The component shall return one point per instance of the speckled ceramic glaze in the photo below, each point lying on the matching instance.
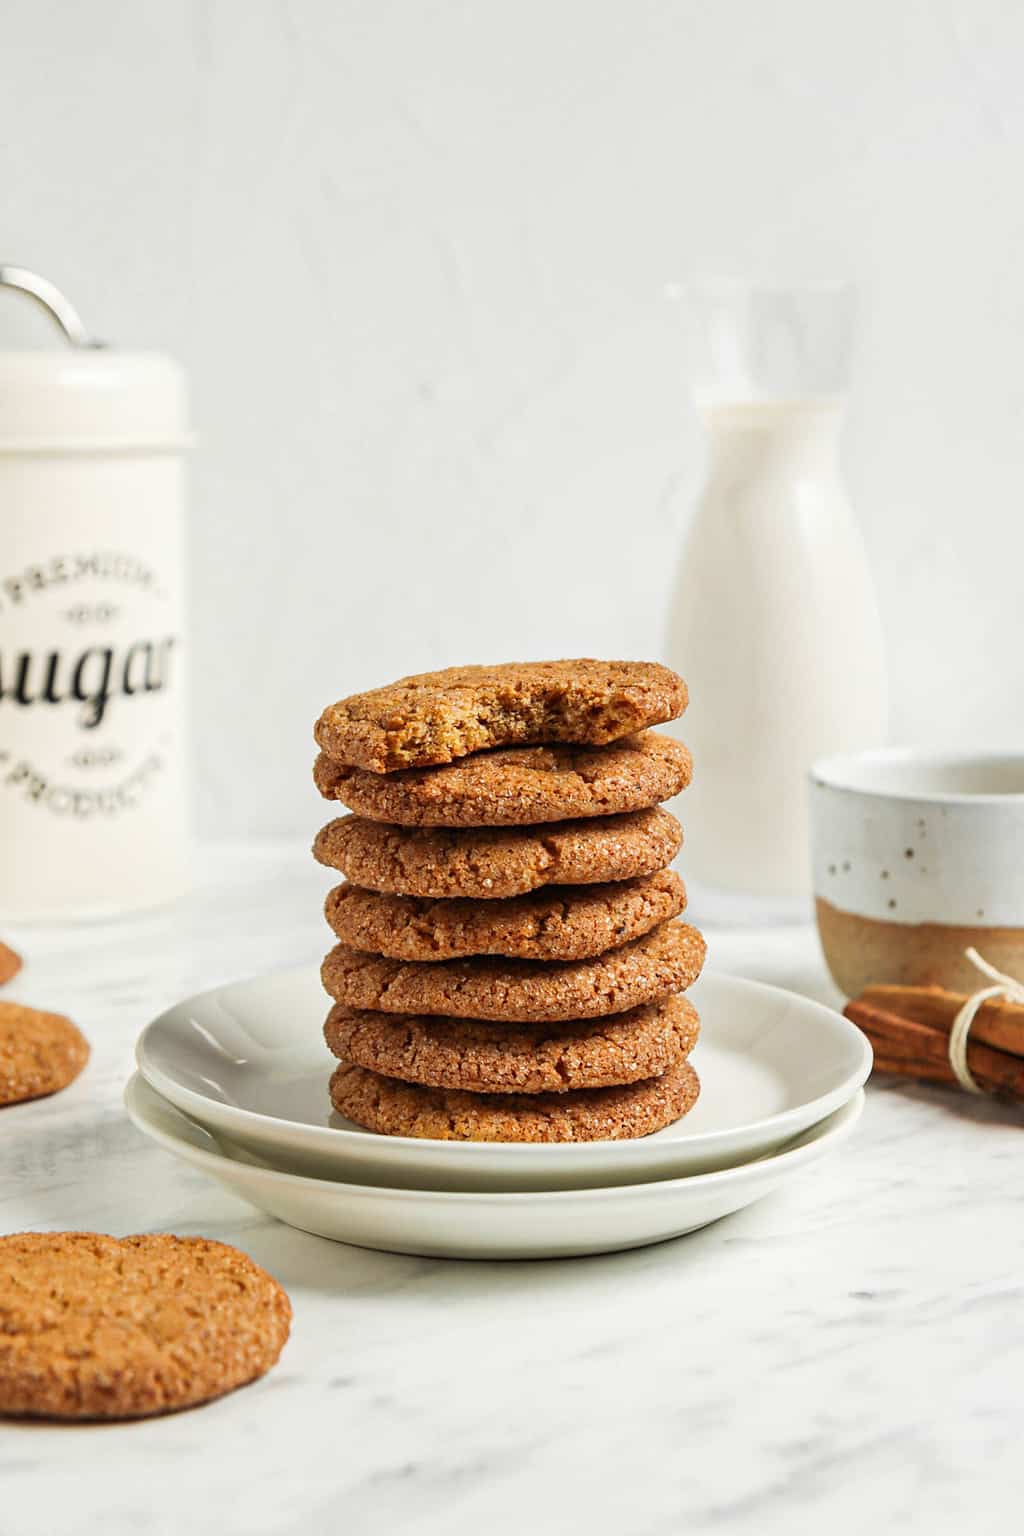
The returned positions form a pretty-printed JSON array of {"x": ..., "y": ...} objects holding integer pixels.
[{"x": 916, "y": 856}]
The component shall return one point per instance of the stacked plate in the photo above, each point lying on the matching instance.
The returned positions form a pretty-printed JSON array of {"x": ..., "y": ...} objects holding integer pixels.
[{"x": 232, "y": 1081}]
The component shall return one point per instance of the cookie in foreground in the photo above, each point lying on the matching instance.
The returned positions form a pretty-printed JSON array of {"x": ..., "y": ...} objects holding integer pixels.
[
  {"x": 487, "y": 1057},
  {"x": 96, "y": 1327},
  {"x": 40, "y": 1053},
  {"x": 437, "y": 717},
  {"x": 514, "y": 786},
  {"x": 395, "y": 1108}
]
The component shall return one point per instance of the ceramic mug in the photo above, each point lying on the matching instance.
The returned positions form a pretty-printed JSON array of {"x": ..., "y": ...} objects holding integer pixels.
[{"x": 916, "y": 856}]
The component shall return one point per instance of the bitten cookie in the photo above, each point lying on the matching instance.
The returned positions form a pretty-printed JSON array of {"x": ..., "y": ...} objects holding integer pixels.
[
  {"x": 436, "y": 717},
  {"x": 516, "y": 785},
  {"x": 10, "y": 963},
  {"x": 529, "y": 991},
  {"x": 95, "y": 1327},
  {"x": 488, "y": 864},
  {"x": 562, "y": 923},
  {"x": 40, "y": 1053},
  {"x": 508, "y": 1058},
  {"x": 598, "y": 1114}
]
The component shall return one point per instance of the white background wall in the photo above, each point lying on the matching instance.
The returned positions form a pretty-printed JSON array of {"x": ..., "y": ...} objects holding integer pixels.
[{"x": 412, "y": 255}]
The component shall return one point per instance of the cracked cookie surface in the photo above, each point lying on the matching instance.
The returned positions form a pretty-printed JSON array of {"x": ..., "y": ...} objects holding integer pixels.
[
  {"x": 40, "y": 1053},
  {"x": 96, "y": 1327},
  {"x": 438, "y": 717},
  {"x": 516, "y": 785},
  {"x": 561, "y": 923},
  {"x": 395, "y": 1108},
  {"x": 668, "y": 959},
  {"x": 492, "y": 863},
  {"x": 484, "y": 1057}
]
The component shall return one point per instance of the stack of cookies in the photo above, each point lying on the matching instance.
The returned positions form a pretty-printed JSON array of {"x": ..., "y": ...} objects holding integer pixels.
[{"x": 509, "y": 964}]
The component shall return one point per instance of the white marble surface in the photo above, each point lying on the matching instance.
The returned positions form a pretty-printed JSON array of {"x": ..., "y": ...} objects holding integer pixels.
[{"x": 847, "y": 1354}]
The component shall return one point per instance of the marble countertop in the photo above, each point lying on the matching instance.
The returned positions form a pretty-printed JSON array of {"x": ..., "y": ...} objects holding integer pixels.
[{"x": 846, "y": 1354}]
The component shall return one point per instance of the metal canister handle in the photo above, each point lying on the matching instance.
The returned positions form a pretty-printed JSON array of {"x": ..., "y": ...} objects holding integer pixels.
[{"x": 49, "y": 297}]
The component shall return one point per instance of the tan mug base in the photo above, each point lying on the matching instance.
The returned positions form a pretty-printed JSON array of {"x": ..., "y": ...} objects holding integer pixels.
[{"x": 865, "y": 951}]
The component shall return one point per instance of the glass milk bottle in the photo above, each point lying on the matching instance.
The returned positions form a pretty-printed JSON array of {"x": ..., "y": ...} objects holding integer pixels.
[
  {"x": 774, "y": 622},
  {"x": 92, "y": 670}
]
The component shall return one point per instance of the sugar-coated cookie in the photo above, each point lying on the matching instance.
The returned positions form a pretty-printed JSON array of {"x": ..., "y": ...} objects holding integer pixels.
[
  {"x": 395, "y": 1108},
  {"x": 513, "y": 786},
  {"x": 40, "y": 1053},
  {"x": 516, "y": 1058},
  {"x": 491, "y": 863},
  {"x": 437, "y": 717},
  {"x": 562, "y": 923},
  {"x": 95, "y": 1327},
  {"x": 668, "y": 959}
]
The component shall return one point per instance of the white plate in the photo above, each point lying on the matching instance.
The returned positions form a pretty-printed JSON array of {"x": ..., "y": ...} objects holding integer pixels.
[
  {"x": 541, "y": 1224},
  {"x": 248, "y": 1061}
]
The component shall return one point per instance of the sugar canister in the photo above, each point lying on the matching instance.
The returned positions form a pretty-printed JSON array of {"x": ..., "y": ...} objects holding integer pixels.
[{"x": 93, "y": 815}]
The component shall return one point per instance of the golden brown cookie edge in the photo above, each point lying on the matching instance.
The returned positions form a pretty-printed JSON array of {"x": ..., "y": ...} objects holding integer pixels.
[
  {"x": 393, "y": 1108},
  {"x": 41, "y": 1053},
  {"x": 432, "y": 718},
  {"x": 668, "y": 959},
  {"x": 48, "y": 1383},
  {"x": 496, "y": 863},
  {"x": 557, "y": 923},
  {"x": 482, "y": 791},
  {"x": 481, "y": 1057}
]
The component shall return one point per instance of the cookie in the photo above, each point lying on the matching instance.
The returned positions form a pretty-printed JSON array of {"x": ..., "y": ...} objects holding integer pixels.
[
  {"x": 95, "y": 1327},
  {"x": 491, "y": 864},
  {"x": 507, "y": 1058},
  {"x": 666, "y": 960},
  {"x": 516, "y": 785},
  {"x": 10, "y": 963},
  {"x": 590, "y": 1114},
  {"x": 437, "y": 717},
  {"x": 562, "y": 923},
  {"x": 39, "y": 1053}
]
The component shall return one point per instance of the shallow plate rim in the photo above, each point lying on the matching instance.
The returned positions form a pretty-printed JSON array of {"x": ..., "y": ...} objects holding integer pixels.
[
  {"x": 812, "y": 1138},
  {"x": 703, "y": 1142}
]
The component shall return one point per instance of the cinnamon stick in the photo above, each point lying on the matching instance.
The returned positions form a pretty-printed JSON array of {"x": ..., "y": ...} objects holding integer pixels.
[
  {"x": 997, "y": 1023},
  {"x": 912, "y": 1049}
]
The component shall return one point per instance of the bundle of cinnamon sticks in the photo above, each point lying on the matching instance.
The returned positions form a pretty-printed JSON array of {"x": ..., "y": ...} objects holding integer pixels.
[{"x": 909, "y": 1030}]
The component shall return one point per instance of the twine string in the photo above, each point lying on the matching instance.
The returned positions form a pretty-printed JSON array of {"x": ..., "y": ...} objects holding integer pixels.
[{"x": 1003, "y": 986}]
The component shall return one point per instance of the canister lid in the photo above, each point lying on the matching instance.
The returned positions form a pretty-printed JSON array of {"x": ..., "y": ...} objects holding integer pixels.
[
  {"x": 91, "y": 400},
  {"x": 80, "y": 396}
]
